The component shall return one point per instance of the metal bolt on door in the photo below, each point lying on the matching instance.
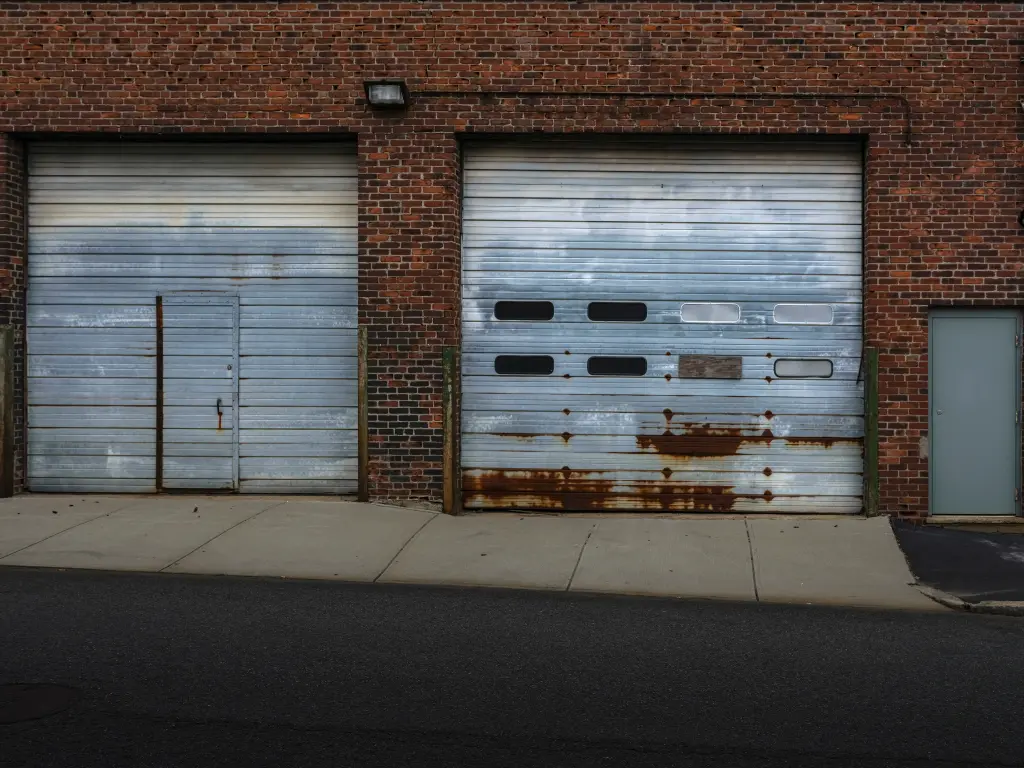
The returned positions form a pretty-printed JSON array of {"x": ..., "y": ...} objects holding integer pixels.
[
  {"x": 200, "y": 392},
  {"x": 974, "y": 382}
]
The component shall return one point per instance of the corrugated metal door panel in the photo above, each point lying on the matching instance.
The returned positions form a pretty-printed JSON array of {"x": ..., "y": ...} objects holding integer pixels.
[
  {"x": 113, "y": 225},
  {"x": 200, "y": 386},
  {"x": 735, "y": 388}
]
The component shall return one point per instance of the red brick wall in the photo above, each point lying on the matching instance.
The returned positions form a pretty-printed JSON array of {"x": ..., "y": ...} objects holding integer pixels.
[
  {"x": 408, "y": 299},
  {"x": 12, "y": 279},
  {"x": 941, "y": 213}
]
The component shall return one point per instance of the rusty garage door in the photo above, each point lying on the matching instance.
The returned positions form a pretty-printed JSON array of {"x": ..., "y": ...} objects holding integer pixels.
[
  {"x": 662, "y": 326},
  {"x": 192, "y": 316}
]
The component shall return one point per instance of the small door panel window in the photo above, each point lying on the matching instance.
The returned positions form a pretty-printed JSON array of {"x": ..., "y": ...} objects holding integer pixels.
[
  {"x": 803, "y": 369},
  {"x": 524, "y": 311},
  {"x": 710, "y": 312},
  {"x": 803, "y": 314},
  {"x": 617, "y": 311},
  {"x": 524, "y": 365},
  {"x": 617, "y": 366}
]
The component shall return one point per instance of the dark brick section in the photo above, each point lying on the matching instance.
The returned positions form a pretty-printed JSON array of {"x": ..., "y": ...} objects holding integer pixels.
[
  {"x": 408, "y": 299},
  {"x": 12, "y": 279},
  {"x": 941, "y": 214}
]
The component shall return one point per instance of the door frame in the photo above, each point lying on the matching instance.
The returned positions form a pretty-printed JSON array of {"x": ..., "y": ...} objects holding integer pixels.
[
  {"x": 210, "y": 299},
  {"x": 996, "y": 312}
]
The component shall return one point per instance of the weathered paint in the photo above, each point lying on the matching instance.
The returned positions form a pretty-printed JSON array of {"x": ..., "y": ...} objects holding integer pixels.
[
  {"x": 712, "y": 224},
  {"x": 200, "y": 388},
  {"x": 115, "y": 224}
]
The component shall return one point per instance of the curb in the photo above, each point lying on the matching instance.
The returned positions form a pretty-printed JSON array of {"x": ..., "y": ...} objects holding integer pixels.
[{"x": 993, "y": 607}]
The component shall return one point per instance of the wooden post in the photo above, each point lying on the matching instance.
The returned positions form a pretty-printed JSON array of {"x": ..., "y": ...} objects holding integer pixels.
[
  {"x": 363, "y": 437},
  {"x": 452, "y": 499},
  {"x": 7, "y": 447},
  {"x": 871, "y": 432}
]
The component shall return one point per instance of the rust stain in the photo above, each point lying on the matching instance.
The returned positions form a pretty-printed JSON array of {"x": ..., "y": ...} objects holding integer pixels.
[
  {"x": 694, "y": 498},
  {"x": 705, "y": 440},
  {"x": 699, "y": 442},
  {"x": 821, "y": 442},
  {"x": 546, "y": 488},
  {"x": 708, "y": 498},
  {"x": 580, "y": 491},
  {"x": 527, "y": 436},
  {"x": 220, "y": 418},
  {"x": 566, "y": 411},
  {"x": 696, "y": 440},
  {"x": 768, "y": 379}
]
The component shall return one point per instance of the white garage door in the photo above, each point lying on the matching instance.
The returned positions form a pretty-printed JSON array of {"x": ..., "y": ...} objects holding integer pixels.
[
  {"x": 663, "y": 326},
  {"x": 218, "y": 278}
]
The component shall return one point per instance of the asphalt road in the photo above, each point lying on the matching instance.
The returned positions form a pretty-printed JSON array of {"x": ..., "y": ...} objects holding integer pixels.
[{"x": 187, "y": 671}]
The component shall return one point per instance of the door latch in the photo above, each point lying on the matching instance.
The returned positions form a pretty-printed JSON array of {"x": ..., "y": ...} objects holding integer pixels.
[{"x": 220, "y": 409}]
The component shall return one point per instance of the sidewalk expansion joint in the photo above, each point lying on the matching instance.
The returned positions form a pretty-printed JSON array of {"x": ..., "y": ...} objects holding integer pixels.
[
  {"x": 753, "y": 568},
  {"x": 402, "y": 548},
  {"x": 583, "y": 549},
  {"x": 217, "y": 536},
  {"x": 65, "y": 530}
]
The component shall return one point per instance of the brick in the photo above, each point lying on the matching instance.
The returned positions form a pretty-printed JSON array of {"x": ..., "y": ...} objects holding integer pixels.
[{"x": 940, "y": 226}]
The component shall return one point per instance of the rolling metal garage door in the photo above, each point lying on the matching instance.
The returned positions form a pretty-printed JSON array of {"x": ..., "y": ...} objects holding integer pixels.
[
  {"x": 237, "y": 262},
  {"x": 663, "y": 326}
]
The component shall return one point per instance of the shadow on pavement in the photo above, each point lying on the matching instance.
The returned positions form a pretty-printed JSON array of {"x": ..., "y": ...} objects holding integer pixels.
[{"x": 975, "y": 566}]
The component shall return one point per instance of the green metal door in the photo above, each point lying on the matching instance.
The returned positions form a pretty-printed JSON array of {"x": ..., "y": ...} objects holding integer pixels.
[{"x": 974, "y": 383}]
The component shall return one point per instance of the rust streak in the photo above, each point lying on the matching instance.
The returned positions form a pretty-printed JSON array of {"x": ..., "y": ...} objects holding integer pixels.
[
  {"x": 704, "y": 440},
  {"x": 696, "y": 440},
  {"x": 821, "y": 442},
  {"x": 589, "y": 494},
  {"x": 548, "y": 489},
  {"x": 691, "y": 444}
]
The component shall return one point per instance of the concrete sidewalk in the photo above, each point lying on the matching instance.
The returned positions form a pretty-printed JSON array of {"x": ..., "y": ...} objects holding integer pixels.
[{"x": 837, "y": 561}]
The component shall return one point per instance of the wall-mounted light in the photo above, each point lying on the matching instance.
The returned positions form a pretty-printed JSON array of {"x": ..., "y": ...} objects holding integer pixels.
[{"x": 386, "y": 93}]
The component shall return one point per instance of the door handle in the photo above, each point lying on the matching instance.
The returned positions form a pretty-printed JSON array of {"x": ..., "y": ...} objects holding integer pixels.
[{"x": 220, "y": 409}]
